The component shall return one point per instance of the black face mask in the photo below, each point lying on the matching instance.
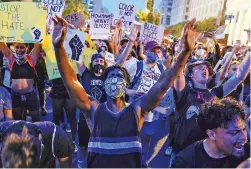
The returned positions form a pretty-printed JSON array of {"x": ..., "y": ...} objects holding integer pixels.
[{"x": 98, "y": 68}]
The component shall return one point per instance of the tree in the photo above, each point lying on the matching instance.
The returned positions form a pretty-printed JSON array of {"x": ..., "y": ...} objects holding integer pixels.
[
  {"x": 157, "y": 18},
  {"x": 72, "y": 6},
  {"x": 142, "y": 15},
  {"x": 204, "y": 26},
  {"x": 150, "y": 17}
]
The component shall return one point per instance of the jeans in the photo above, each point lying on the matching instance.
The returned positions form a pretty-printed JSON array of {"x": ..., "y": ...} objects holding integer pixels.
[{"x": 58, "y": 107}]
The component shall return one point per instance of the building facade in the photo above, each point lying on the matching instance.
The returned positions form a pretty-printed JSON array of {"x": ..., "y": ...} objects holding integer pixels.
[
  {"x": 180, "y": 11},
  {"x": 202, "y": 9},
  {"x": 238, "y": 18},
  {"x": 165, "y": 8},
  {"x": 96, "y": 6}
]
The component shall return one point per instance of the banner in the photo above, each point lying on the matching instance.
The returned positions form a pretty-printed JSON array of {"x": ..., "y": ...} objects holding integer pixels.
[
  {"x": 127, "y": 13},
  {"x": 19, "y": 24},
  {"x": 77, "y": 19},
  {"x": 50, "y": 59},
  {"x": 100, "y": 25},
  {"x": 53, "y": 6},
  {"x": 151, "y": 32},
  {"x": 74, "y": 45}
]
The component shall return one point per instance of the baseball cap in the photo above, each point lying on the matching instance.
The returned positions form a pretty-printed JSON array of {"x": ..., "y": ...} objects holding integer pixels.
[
  {"x": 193, "y": 62},
  {"x": 152, "y": 45},
  {"x": 95, "y": 56}
]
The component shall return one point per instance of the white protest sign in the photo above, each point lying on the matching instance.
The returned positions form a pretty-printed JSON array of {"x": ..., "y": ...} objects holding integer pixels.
[
  {"x": 126, "y": 12},
  {"x": 54, "y": 7},
  {"x": 100, "y": 25},
  {"x": 151, "y": 32},
  {"x": 74, "y": 45},
  {"x": 77, "y": 19}
]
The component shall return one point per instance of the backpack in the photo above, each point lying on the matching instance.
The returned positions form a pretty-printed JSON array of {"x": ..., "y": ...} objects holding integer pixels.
[{"x": 139, "y": 72}]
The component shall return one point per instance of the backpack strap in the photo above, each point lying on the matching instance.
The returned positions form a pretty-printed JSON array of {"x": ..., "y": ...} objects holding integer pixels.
[
  {"x": 161, "y": 67},
  {"x": 136, "y": 77},
  {"x": 32, "y": 65},
  {"x": 12, "y": 62}
]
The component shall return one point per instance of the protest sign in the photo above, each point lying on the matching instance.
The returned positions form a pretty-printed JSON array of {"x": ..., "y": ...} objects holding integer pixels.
[
  {"x": 18, "y": 25},
  {"x": 151, "y": 32},
  {"x": 125, "y": 12},
  {"x": 50, "y": 59},
  {"x": 54, "y": 7},
  {"x": 74, "y": 45},
  {"x": 77, "y": 19},
  {"x": 87, "y": 56},
  {"x": 100, "y": 25}
]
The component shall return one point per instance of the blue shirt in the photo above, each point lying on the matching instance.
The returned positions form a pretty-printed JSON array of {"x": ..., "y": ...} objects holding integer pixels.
[{"x": 5, "y": 98}]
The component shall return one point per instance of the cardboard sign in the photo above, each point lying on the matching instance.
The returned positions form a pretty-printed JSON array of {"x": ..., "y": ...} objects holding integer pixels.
[
  {"x": 50, "y": 59},
  {"x": 18, "y": 25},
  {"x": 74, "y": 45},
  {"x": 126, "y": 12},
  {"x": 77, "y": 19},
  {"x": 151, "y": 32},
  {"x": 100, "y": 25},
  {"x": 54, "y": 7}
]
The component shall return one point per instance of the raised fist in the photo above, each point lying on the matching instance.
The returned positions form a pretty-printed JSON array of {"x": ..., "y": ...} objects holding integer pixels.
[{"x": 76, "y": 47}]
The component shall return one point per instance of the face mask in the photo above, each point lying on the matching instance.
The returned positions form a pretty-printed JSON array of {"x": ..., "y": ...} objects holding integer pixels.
[
  {"x": 115, "y": 87},
  {"x": 152, "y": 57},
  {"x": 200, "y": 52},
  {"x": 103, "y": 49},
  {"x": 98, "y": 68},
  {"x": 19, "y": 56}
]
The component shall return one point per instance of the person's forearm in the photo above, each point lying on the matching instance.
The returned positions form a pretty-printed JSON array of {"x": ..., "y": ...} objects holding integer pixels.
[
  {"x": 67, "y": 72},
  {"x": 141, "y": 52},
  {"x": 240, "y": 75},
  {"x": 6, "y": 51},
  {"x": 116, "y": 43},
  {"x": 154, "y": 96},
  {"x": 226, "y": 66},
  {"x": 124, "y": 55}
]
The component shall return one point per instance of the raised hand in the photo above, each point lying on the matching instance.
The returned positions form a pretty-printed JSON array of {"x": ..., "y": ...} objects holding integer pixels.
[
  {"x": 119, "y": 25},
  {"x": 249, "y": 35},
  {"x": 76, "y": 47},
  {"x": 189, "y": 35},
  {"x": 133, "y": 34},
  {"x": 59, "y": 32}
]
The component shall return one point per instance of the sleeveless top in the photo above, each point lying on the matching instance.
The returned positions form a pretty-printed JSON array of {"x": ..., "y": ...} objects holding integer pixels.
[
  {"x": 24, "y": 71},
  {"x": 114, "y": 142}
]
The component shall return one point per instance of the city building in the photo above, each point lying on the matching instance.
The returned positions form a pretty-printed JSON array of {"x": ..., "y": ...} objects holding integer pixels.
[
  {"x": 202, "y": 9},
  {"x": 96, "y": 6},
  {"x": 165, "y": 8},
  {"x": 238, "y": 18},
  {"x": 180, "y": 11}
]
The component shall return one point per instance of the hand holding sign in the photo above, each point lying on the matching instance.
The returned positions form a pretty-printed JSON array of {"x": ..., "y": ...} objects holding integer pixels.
[
  {"x": 133, "y": 34},
  {"x": 59, "y": 31},
  {"x": 76, "y": 47},
  {"x": 119, "y": 25}
]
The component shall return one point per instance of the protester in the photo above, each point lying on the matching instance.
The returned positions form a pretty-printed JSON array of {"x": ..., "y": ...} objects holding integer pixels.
[
  {"x": 247, "y": 113},
  {"x": 23, "y": 73},
  {"x": 189, "y": 96},
  {"x": 114, "y": 121},
  {"x": 5, "y": 104},
  {"x": 226, "y": 144},
  {"x": 34, "y": 145},
  {"x": 42, "y": 77}
]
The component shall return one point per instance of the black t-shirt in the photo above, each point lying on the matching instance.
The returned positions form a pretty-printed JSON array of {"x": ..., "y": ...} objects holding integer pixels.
[
  {"x": 195, "y": 156},
  {"x": 93, "y": 86},
  {"x": 56, "y": 142},
  {"x": 58, "y": 90},
  {"x": 186, "y": 129}
]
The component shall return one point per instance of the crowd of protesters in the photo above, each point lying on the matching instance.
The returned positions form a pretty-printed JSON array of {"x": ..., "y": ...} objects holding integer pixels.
[{"x": 121, "y": 97}]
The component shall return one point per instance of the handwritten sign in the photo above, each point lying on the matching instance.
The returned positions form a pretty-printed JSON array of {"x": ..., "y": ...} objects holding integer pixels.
[
  {"x": 77, "y": 19},
  {"x": 18, "y": 25},
  {"x": 100, "y": 25},
  {"x": 126, "y": 12},
  {"x": 74, "y": 45},
  {"x": 50, "y": 59},
  {"x": 151, "y": 32},
  {"x": 54, "y": 7}
]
